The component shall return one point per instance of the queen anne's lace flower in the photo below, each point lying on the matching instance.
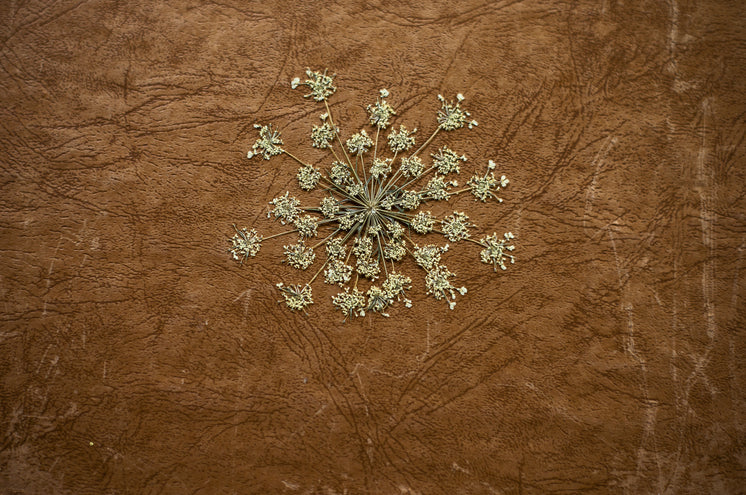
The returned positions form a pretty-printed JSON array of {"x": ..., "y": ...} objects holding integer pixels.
[
  {"x": 245, "y": 243},
  {"x": 380, "y": 112},
  {"x": 423, "y": 222},
  {"x": 456, "y": 226},
  {"x": 350, "y": 303},
  {"x": 412, "y": 166},
  {"x": 268, "y": 144},
  {"x": 323, "y": 135},
  {"x": 320, "y": 84},
  {"x": 306, "y": 225},
  {"x": 359, "y": 143},
  {"x": 494, "y": 251},
  {"x": 451, "y": 116},
  {"x": 401, "y": 140},
  {"x": 446, "y": 160},
  {"x": 299, "y": 256},
  {"x": 308, "y": 177},
  {"x": 297, "y": 297},
  {"x": 370, "y": 207},
  {"x": 286, "y": 208}
]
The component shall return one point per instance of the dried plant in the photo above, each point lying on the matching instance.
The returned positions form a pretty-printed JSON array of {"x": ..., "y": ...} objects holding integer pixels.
[{"x": 372, "y": 207}]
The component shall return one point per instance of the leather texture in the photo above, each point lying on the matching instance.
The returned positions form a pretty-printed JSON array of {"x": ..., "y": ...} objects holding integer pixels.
[{"x": 137, "y": 357}]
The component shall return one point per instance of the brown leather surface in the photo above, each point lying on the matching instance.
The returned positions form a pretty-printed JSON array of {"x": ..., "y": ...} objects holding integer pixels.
[{"x": 137, "y": 357}]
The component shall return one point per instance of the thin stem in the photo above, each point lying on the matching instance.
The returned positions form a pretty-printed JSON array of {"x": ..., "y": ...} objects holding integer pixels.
[
  {"x": 424, "y": 145},
  {"x": 278, "y": 235},
  {"x": 375, "y": 148},
  {"x": 295, "y": 158},
  {"x": 329, "y": 112},
  {"x": 325, "y": 239},
  {"x": 317, "y": 273}
]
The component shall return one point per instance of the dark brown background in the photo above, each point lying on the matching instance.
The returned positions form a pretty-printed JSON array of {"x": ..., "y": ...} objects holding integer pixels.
[{"x": 136, "y": 357}]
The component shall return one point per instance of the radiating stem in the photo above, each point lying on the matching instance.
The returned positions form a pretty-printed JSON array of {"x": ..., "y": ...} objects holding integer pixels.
[{"x": 317, "y": 273}]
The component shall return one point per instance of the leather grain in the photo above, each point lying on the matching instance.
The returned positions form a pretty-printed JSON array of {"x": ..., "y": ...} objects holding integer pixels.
[{"x": 137, "y": 357}]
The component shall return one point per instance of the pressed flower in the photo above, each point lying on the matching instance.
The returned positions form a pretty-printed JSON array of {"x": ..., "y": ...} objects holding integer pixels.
[
  {"x": 446, "y": 160},
  {"x": 495, "y": 249},
  {"x": 307, "y": 225},
  {"x": 380, "y": 112},
  {"x": 308, "y": 177},
  {"x": 299, "y": 256},
  {"x": 423, "y": 222},
  {"x": 245, "y": 243},
  {"x": 371, "y": 206},
  {"x": 297, "y": 296},
  {"x": 268, "y": 144},
  {"x": 351, "y": 303},
  {"x": 320, "y": 84},
  {"x": 412, "y": 166},
  {"x": 451, "y": 116},
  {"x": 401, "y": 140},
  {"x": 286, "y": 208},
  {"x": 359, "y": 143},
  {"x": 456, "y": 226}
]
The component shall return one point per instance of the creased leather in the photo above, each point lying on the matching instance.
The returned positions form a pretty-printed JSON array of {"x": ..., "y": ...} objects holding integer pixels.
[{"x": 137, "y": 357}]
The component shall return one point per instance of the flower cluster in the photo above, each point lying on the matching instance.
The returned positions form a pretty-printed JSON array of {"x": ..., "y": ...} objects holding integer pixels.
[{"x": 371, "y": 207}]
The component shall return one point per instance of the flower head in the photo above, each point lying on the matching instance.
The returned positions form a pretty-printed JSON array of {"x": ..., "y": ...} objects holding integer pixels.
[
  {"x": 308, "y": 177},
  {"x": 412, "y": 166},
  {"x": 446, "y": 160},
  {"x": 402, "y": 140},
  {"x": 299, "y": 256},
  {"x": 380, "y": 168},
  {"x": 320, "y": 84},
  {"x": 380, "y": 112},
  {"x": 268, "y": 144},
  {"x": 245, "y": 243},
  {"x": 297, "y": 296},
  {"x": 494, "y": 250},
  {"x": 456, "y": 226},
  {"x": 306, "y": 225},
  {"x": 286, "y": 208},
  {"x": 323, "y": 135},
  {"x": 359, "y": 143},
  {"x": 423, "y": 222},
  {"x": 351, "y": 303},
  {"x": 451, "y": 116}
]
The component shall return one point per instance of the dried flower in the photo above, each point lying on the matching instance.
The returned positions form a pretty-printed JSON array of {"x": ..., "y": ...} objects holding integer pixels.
[
  {"x": 308, "y": 177},
  {"x": 299, "y": 256},
  {"x": 359, "y": 143},
  {"x": 402, "y": 140},
  {"x": 412, "y": 166},
  {"x": 423, "y": 222},
  {"x": 380, "y": 112},
  {"x": 297, "y": 297},
  {"x": 245, "y": 243},
  {"x": 374, "y": 202},
  {"x": 320, "y": 85},
  {"x": 456, "y": 227},
  {"x": 323, "y": 135},
  {"x": 268, "y": 144},
  {"x": 451, "y": 116},
  {"x": 494, "y": 252},
  {"x": 286, "y": 208},
  {"x": 351, "y": 303},
  {"x": 438, "y": 188},
  {"x": 329, "y": 206},
  {"x": 428, "y": 256},
  {"x": 380, "y": 168},
  {"x": 306, "y": 225},
  {"x": 337, "y": 272},
  {"x": 446, "y": 160},
  {"x": 335, "y": 248}
]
